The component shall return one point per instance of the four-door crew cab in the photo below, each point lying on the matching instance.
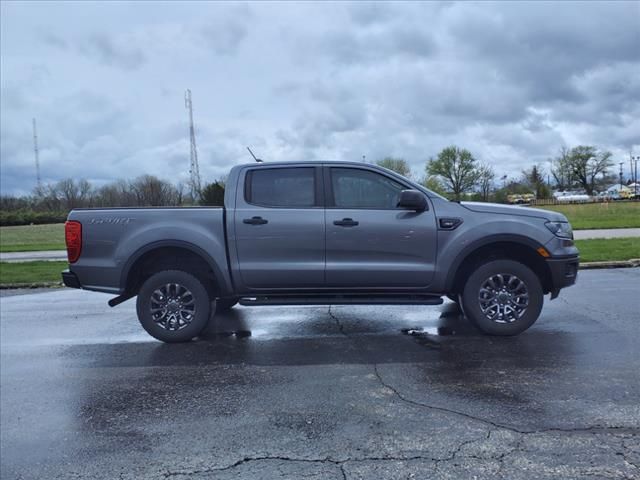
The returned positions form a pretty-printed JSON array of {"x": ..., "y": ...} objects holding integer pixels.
[{"x": 322, "y": 233}]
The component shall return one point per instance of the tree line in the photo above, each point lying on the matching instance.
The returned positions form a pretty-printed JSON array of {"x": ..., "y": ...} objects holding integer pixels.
[
  {"x": 454, "y": 172},
  {"x": 51, "y": 202}
]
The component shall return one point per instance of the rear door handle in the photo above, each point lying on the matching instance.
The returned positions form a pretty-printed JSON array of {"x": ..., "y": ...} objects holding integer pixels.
[
  {"x": 346, "y": 222},
  {"x": 255, "y": 221}
]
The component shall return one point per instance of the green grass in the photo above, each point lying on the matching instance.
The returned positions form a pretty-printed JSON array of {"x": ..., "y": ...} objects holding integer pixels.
[
  {"x": 608, "y": 249},
  {"x": 600, "y": 215},
  {"x": 31, "y": 272},
  {"x": 29, "y": 238}
]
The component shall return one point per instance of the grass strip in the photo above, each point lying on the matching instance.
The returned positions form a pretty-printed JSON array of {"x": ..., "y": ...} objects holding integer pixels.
[
  {"x": 600, "y": 215},
  {"x": 608, "y": 249},
  {"x": 31, "y": 272},
  {"x": 31, "y": 238}
]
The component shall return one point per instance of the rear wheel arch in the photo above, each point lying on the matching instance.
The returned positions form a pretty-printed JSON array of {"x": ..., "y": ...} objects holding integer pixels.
[
  {"x": 171, "y": 255},
  {"x": 520, "y": 249}
]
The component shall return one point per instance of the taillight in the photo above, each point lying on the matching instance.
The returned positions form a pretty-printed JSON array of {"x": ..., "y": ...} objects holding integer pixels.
[{"x": 73, "y": 239}]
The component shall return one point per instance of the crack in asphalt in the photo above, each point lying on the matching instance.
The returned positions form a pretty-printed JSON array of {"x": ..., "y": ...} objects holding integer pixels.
[
  {"x": 338, "y": 323},
  {"x": 331, "y": 461},
  {"x": 589, "y": 429}
]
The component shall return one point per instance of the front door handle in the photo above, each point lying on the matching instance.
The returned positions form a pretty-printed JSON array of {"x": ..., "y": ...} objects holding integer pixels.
[
  {"x": 346, "y": 222},
  {"x": 255, "y": 221}
]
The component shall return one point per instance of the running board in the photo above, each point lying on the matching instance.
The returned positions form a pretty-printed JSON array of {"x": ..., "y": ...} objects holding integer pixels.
[{"x": 342, "y": 300}]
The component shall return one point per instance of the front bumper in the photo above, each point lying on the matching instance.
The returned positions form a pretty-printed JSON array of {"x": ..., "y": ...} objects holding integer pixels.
[
  {"x": 70, "y": 279},
  {"x": 564, "y": 272}
]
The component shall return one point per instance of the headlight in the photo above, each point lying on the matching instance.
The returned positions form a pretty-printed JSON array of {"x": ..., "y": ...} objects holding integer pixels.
[{"x": 560, "y": 229}]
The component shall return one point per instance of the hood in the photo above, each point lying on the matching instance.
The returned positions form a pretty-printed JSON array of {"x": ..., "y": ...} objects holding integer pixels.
[{"x": 514, "y": 210}]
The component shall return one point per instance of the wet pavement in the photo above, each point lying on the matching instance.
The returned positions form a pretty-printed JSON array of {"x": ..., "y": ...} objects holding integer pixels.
[{"x": 341, "y": 392}]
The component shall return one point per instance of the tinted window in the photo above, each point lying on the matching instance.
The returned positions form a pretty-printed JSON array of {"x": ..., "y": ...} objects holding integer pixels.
[
  {"x": 353, "y": 188},
  {"x": 281, "y": 187}
]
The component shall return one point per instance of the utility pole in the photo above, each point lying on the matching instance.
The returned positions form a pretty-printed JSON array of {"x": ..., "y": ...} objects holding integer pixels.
[
  {"x": 37, "y": 157},
  {"x": 633, "y": 168},
  {"x": 194, "y": 168}
]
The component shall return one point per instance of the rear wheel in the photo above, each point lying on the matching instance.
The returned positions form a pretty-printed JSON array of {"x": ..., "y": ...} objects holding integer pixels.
[
  {"x": 502, "y": 297},
  {"x": 173, "y": 306}
]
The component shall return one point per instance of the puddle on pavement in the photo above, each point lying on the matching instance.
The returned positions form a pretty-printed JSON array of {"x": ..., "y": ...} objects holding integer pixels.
[{"x": 441, "y": 331}]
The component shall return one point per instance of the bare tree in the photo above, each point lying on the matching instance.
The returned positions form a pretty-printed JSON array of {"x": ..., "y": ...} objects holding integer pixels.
[
  {"x": 149, "y": 190},
  {"x": 485, "y": 181},
  {"x": 561, "y": 169}
]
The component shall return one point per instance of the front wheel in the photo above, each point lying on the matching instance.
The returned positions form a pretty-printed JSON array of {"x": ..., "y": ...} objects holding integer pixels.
[
  {"x": 173, "y": 306},
  {"x": 502, "y": 297}
]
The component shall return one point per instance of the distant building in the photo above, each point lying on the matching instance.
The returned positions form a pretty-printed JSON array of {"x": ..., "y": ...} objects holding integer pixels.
[{"x": 619, "y": 191}]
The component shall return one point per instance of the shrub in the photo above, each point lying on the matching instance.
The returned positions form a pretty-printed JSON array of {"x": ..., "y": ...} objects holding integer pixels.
[{"x": 28, "y": 217}]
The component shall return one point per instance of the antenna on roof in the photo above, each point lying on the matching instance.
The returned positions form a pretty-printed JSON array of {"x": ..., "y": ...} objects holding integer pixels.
[{"x": 254, "y": 157}]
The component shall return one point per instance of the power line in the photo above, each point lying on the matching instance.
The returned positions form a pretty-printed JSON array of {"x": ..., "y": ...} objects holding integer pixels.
[
  {"x": 194, "y": 168},
  {"x": 37, "y": 155}
]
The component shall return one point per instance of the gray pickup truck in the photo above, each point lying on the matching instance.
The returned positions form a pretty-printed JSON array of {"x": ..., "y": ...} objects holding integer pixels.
[{"x": 322, "y": 233}]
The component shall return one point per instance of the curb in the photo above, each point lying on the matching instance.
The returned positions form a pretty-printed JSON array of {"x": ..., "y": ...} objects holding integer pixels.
[
  {"x": 9, "y": 286},
  {"x": 634, "y": 262}
]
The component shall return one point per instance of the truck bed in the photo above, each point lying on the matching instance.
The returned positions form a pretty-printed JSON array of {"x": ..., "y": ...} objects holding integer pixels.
[{"x": 113, "y": 238}]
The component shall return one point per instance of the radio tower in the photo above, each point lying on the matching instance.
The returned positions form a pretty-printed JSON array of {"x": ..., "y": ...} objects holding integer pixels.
[
  {"x": 37, "y": 156},
  {"x": 194, "y": 168}
]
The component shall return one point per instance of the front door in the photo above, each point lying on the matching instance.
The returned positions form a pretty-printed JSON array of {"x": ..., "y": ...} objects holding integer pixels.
[
  {"x": 371, "y": 243},
  {"x": 279, "y": 228}
]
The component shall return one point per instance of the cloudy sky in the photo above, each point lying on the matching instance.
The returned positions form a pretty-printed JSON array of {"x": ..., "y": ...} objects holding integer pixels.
[{"x": 512, "y": 82}]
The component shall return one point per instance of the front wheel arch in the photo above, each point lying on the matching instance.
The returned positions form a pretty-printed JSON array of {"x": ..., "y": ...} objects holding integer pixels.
[{"x": 522, "y": 252}]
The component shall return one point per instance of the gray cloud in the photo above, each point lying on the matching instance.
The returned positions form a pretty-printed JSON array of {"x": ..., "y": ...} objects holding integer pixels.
[
  {"x": 112, "y": 51},
  {"x": 225, "y": 31},
  {"x": 510, "y": 81}
]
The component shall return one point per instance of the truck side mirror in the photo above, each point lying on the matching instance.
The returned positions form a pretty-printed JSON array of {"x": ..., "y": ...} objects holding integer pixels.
[{"x": 413, "y": 200}]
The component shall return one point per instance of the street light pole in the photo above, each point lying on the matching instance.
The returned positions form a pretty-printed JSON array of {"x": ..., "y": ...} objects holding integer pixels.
[
  {"x": 621, "y": 163},
  {"x": 633, "y": 168}
]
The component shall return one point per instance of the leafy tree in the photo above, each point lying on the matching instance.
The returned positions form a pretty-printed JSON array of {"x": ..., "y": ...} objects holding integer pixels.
[
  {"x": 485, "y": 181},
  {"x": 434, "y": 184},
  {"x": 534, "y": 179},
  {"x": 587, "y": 163},
  {"x": 213, "y": 194},
  {"x": 398, "y": 165},
  {"x": 457, "y": 168},
  {"x": 512, "y": 188}
]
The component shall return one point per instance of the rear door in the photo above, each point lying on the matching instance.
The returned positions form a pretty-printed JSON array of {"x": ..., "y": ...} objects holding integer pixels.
[
  {"x": 371, "y": 243},
  {"x": 280, "y": 227}
]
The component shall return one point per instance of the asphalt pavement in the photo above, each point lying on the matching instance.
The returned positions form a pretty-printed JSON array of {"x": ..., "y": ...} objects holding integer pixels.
[{"x": 315, "y": 392}]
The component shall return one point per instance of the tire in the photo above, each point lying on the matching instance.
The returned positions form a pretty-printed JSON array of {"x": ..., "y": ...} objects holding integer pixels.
[
  {"x": 225, "y": 304},
  {"x": 502, "y": 297},
  {"x": 159, "y": 309}
]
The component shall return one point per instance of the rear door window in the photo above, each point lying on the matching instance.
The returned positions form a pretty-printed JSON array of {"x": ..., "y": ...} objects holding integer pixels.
[{"x": 281, "y": 187}]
